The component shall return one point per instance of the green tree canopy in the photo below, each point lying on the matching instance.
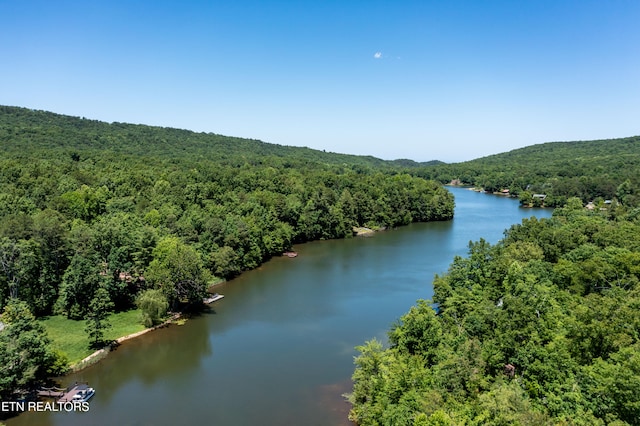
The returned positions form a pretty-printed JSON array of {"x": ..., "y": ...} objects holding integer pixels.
[
  {"x": 25, "y": 356},
  {"x": 177, "y": 270},
  {"x": 542, "y": 328}
]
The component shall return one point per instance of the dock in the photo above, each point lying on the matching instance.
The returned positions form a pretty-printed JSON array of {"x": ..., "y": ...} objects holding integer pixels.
[
  {"x": 52, "y": 392},
  {"x": 63, "y": 395},
  {"x": 213, "y": 298}
]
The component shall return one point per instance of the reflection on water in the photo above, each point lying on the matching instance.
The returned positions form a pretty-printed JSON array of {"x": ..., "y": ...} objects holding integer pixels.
[{"x": 279, "y": 348}]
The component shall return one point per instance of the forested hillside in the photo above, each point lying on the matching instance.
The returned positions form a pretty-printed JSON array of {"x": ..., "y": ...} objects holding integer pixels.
[
  {"x": 542, "y": 328},
  {"x": 96, "y": 217},
  {"x": 591, "y": 170},
  {"x": 27, "y": 131}
]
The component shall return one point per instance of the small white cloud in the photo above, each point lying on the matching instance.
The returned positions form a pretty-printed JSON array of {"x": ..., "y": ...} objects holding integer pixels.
[{"x": 377, "y": 55}]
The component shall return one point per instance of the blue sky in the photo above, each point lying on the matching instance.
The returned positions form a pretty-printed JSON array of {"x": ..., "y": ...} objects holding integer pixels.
[{"x": 448, "y": 80}]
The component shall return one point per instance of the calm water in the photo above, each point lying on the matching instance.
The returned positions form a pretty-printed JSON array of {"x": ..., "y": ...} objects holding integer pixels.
[{"x": 278, "y": 350}]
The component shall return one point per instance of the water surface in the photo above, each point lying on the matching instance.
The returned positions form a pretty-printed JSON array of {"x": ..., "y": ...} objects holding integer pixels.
[{"x": 278, "y": 349}]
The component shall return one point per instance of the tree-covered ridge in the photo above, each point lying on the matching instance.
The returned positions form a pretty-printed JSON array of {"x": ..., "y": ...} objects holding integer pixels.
[
  {"x": 541, "y": 328},
  {"x": 24, "y": 131},
  {"x": 591, "y": 170},
  {"x": 96, "y": 216}
]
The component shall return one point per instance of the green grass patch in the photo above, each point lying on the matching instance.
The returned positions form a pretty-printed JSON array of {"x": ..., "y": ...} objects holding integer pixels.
[{"x": 69, "y": 336}]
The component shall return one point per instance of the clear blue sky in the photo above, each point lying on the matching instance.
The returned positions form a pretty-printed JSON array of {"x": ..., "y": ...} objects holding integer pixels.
[{"x": 448, "y": 80}]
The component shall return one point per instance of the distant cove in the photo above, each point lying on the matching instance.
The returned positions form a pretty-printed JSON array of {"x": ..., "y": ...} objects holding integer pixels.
[{"x": 278, "y": 349}]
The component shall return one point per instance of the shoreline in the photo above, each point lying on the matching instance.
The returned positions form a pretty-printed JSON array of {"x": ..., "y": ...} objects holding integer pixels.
[{"x": 100, "y": 354}]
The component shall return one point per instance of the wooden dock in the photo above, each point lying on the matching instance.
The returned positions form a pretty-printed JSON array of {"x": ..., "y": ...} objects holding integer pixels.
[
  {"x": 51, "y": 392},
  {"x": 212, "y": 298},
  {"x": 63, "y": 395}
]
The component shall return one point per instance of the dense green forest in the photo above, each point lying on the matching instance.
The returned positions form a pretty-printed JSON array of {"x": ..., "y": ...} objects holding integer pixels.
[
  {"x": 591, "y": 170},
  {"x": 541, "y": 328},
  {"x": 98, "y": 217}
]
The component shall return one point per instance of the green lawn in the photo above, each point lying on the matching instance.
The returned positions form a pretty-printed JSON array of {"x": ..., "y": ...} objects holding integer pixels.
[{"x": 69, "y": 335}]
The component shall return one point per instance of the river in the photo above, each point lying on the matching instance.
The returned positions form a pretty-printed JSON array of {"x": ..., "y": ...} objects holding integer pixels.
[{"x": 279, "y": 348}]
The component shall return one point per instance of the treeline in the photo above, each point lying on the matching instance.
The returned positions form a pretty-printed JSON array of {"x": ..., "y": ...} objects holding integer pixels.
[
  {"x": 541, "y": 328},
  {"x": 86, "y": 205},
  {"x": 590, "y": 170}
]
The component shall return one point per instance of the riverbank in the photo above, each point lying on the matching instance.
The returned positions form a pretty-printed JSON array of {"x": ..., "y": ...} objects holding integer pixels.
[
  {"x": 102, "y": 353},
  {"x": 70, "y": 338},
  {"x": 361, "y": 231},
  {"x": 94, "y": 357}
]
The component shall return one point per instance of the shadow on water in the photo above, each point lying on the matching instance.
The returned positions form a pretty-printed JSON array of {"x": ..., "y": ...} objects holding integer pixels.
[
  {"x": 151, "y": 358},
  {"x": 329, "y": 398}
]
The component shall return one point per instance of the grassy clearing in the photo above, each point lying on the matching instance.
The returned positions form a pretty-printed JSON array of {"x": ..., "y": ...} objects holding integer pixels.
[{"x": 69, "y": 336}]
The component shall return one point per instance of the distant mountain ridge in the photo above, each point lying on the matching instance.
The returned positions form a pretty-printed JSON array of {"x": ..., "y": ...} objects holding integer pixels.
[
  {"x": 554, "y": 151},
  {"x": 589, "y": 170},
  {"x": 50, "y": 130}
]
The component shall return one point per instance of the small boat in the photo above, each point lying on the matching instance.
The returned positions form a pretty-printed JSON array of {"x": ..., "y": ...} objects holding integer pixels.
[
  {"x": 83, "y": 394},
  {"x": 290, "y": 254}
]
